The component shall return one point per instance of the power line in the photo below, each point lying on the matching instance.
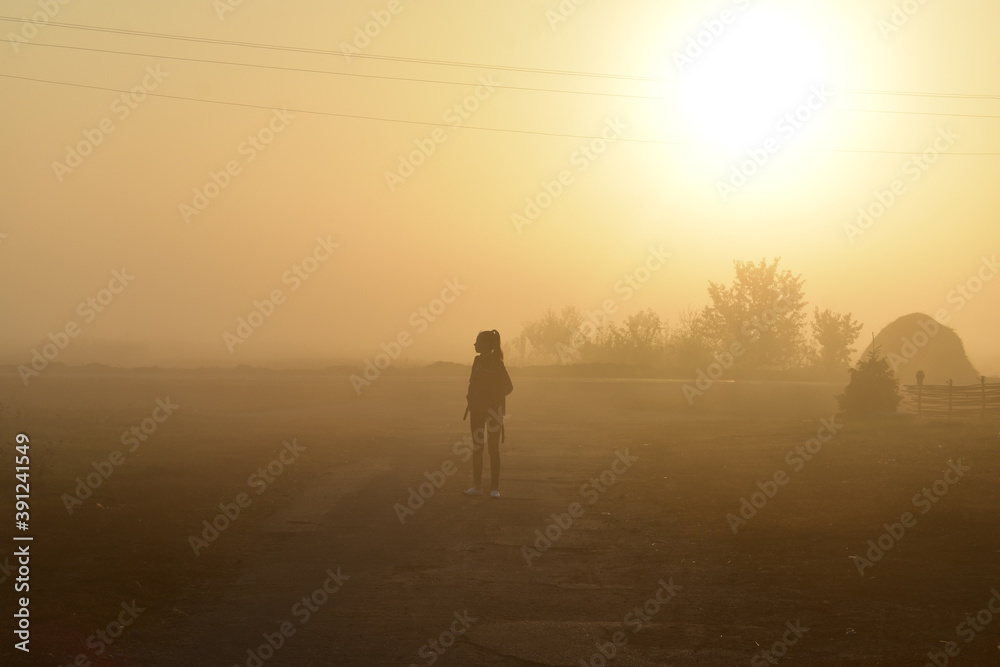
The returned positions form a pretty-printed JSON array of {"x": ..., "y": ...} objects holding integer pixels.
[
  {"x": 920, "y": 113},
  {"x": 449, "y": 83},
  {"x": 467, "y": 127},
  {"x": 354, "y": 74},
  {"x": 331, "y": 113},
  {"x": 913, "y": 94},
  {"x": 449, "y": 63},
  {"x": 257, "y": 45}
]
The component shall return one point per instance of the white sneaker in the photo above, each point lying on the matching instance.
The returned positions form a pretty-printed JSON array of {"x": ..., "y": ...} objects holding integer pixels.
[
  {"x": 494, "y": 494},
  {"x": 473, "y": 491}
]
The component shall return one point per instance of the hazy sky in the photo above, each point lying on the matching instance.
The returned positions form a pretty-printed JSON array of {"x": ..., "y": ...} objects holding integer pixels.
[{"x": 96, "y": 181}]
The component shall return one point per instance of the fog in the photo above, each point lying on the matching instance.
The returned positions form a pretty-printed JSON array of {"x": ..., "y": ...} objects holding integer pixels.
[
  {"x": 397, "y": 179},
  {"x": 726, "y": 275}
]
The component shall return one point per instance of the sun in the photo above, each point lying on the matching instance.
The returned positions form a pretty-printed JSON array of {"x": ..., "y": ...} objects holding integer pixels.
[{"x": 747, "y": 74}]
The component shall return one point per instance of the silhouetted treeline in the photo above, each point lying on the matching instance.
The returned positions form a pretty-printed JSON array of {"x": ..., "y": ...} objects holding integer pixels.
[{"x": 758, "y": 325}]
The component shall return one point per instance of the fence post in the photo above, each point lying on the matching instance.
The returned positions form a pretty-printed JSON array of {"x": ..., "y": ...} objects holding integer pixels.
[
  {"x": 920, "y": 392},
  {"x": 950, "y": 388},
  {"x": 982, "y": 389}
]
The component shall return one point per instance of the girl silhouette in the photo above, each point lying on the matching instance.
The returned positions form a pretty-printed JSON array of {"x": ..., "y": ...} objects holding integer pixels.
[{"x": 489, "y": 385}]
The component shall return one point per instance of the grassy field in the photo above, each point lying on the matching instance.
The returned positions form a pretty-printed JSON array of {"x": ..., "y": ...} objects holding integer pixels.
[{"x": 620, "y": 529}]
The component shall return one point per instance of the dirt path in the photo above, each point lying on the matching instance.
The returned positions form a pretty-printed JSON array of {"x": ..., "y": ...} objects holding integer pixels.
[
  {"x": 654, "y": 484},
  {"x": 405, "y": 582}
]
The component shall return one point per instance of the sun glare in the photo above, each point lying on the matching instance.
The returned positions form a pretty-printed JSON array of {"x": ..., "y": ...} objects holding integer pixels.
[{"x": 738, "y": 80}]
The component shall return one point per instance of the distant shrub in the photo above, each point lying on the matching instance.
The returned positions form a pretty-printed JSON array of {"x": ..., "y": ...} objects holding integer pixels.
[{"x": 873, "y": 387}]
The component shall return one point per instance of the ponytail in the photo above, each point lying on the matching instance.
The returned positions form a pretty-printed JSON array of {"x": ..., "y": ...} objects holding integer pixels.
[{"x": 497, "y": 351}]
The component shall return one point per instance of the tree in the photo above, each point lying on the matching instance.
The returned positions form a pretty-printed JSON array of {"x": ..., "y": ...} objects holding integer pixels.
[
  {"x": 644, "y": 336},
  {"x": 834, "y": 335},
  {"x": 519, "y": 345},
  {"x": 640, "y": 340},
  {"x": 762, "y": 311},
  {"x": 608, "y": 344},
  {"x": 691, "y": 341},
  {"x": 873, "y": 387},
  {"x": 549, "y": 336}
]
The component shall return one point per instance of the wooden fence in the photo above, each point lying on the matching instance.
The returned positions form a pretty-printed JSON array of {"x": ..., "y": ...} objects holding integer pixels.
[{"x": 947, "y": 401}]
